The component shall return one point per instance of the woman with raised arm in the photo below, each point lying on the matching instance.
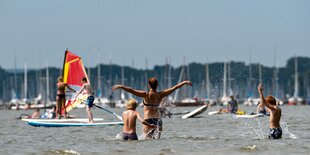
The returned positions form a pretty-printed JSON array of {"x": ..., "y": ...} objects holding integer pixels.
[{"x": 151, "y": 102}]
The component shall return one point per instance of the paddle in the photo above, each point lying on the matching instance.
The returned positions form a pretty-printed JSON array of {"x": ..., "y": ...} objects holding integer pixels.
[{"x": 119, "y": 117}]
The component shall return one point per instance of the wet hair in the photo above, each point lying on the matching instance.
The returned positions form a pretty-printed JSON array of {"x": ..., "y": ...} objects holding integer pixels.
[
  {"x": 131, "y": 104},
  {"x": 84, "y": 79},
  {"x": 271, "y": 100},
  {"x": 60, "y": 79},
  {"x": 153, "y": 83},
  {"x": 232, "y": 97}
]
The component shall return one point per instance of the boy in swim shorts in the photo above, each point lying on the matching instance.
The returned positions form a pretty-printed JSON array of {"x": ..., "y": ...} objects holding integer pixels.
[
  {"x": 129, "y": 117},
  {"x": 90, "y": 99},
  {"x": 275, "y": 114}
]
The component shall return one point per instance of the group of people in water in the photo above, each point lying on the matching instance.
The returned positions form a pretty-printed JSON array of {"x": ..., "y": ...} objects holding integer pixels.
[
  {"x": 152, "y": 123},
  {"x": 153, "y": 98}
]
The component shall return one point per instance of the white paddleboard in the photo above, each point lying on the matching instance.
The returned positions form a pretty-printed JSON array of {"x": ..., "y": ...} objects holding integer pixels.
[
  {"x": 249, "y": 116},
  {"x": 213, "y": 112},
  {"x": 71, "y": 124},
  {"x": 62, "y": 120},
  {"x": 195, "y": 112}
]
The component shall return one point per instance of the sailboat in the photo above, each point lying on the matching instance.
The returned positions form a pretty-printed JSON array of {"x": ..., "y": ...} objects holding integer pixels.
[
  {"x": 25, "y": 103},
  {"x": 225, "y": 99},
  {"x": 15, "y": 97},
  {"x": 208, "y": 98},
  {"x": 73, "y": 72},
  {"x": 123, "y": 100},
  {"x": 185, "y": 101},
  {"x": 251, "y": 100},
  {"x": 295, "y": 100}
]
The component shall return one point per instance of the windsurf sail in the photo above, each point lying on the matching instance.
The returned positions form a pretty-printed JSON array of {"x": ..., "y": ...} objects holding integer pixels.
[{"x": 73, "y": 72}]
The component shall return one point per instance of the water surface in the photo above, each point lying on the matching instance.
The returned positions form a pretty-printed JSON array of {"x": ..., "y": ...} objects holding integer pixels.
[{"x": 216, "y": 134}]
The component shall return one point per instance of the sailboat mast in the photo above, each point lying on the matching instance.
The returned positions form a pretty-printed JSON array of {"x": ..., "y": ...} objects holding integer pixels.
[
  {"x": 180, "y": 78},
  {"x": 207, "y": 80},
  {"x": 296, "y": 78},
  {"x": 250, "y": 73},
  {"x": 15, "y": 70},
  {"x": 225, "y": 79},
  {"x": 169, "y": 72},
  {"x": 275, "y": 76},
  {"x": 63, "y": 66},
  {"x": 99, "y": 93},
  {"x": 122, "y": 91},
  {"x": 229, "y": 79},
  {"x": 47, "y": 83},
  {"x": 145, "y": 73},
  {"x": 189, "y": 90},
  {"x": 260, "y": 74},
  {"x": 25, "y": 80}
]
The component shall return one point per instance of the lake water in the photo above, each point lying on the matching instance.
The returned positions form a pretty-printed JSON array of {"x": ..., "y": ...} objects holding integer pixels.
[{"x": 216, "y": 134}]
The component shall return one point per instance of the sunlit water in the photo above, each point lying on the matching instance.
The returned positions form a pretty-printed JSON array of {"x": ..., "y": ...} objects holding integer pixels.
[{"x": 216, "y": 134}]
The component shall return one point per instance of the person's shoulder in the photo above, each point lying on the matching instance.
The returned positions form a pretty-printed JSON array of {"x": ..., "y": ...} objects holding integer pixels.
[{"x": 125, "y": 112}]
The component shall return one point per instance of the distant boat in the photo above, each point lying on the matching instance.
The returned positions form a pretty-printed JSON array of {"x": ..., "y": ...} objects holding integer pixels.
[
  {"x": 25, "y": 103},
  {"x": 250, "y": 101},
  {"x": 186, "y": 101},
  {"x": 189, "y": 102},
  {"x": 225, "y": 99},
  {"x": 208, "y": 99},
  {"x": 296, "y": 100},
  {"x": 32, "y": 106}
]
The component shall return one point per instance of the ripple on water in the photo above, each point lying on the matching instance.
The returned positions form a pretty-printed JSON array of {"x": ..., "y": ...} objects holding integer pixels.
[
  {"x": 167, "y": 150},
  {"x": 190, "y": 138},
  {"x": 64, "y": 152},
  {"x": 249, "y": 148}
]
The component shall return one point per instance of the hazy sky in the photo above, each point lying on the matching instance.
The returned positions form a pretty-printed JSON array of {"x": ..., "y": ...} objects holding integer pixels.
[{"x": 202, "y": 30}]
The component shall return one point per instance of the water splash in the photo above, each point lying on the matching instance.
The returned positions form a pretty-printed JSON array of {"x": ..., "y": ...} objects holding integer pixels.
[
  {"x": 65, "y": 152},
  {"x": 249, "y": 148},
  {"x": 253, "y": 127},
  {"x": 286, "y": 132},
  {"x": 258, "y": 129},
  {"x": 152, "y": 134},
  {"x": 165, "y": 108},
  {"x": 119, "y": 136}
]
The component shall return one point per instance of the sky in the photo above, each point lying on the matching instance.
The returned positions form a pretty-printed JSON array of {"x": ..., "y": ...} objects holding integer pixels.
[{"x": 129, "y": 32}]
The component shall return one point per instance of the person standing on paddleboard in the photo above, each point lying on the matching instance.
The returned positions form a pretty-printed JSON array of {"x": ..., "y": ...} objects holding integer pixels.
[
  {"x": 151, "y": 103},
  {"x": 61, "y": 97},
  {"x": 90, "y": 99}
]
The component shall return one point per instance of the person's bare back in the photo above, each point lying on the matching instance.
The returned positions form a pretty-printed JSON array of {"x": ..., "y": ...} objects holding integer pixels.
[
  {"x": 129, "y": 118},
  {"x": 275, "y": 116},
  {"x": 151, "y": 101}
]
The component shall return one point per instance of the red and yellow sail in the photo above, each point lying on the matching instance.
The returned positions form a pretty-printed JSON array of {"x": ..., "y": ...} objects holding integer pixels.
[{"x": 73, "y": 72}]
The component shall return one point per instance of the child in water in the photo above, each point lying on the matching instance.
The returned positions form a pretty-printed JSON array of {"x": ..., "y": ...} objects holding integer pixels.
[
  {"x": 275, "y": 114},
  {"x": 129, "y": 117}
]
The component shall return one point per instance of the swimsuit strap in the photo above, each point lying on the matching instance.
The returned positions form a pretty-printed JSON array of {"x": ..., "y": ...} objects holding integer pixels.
[{"x": 150, "y": 105}]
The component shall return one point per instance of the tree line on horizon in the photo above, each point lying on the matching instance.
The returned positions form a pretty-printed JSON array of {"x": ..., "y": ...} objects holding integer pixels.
[{"x": 277, "y": 81}]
